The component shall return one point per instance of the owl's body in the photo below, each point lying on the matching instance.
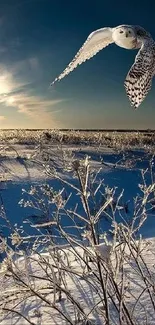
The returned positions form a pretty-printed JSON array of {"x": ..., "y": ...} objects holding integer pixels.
[{"x": 139, "y": 78}]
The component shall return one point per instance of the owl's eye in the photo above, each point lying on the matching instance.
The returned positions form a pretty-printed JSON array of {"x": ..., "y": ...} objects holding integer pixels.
[
  {"x": 129, "y": 31},
  {"x": 121, "y": 32}
]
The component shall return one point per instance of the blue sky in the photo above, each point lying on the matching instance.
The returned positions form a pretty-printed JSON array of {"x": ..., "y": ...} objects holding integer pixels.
[{"x": 38, "y": 38}]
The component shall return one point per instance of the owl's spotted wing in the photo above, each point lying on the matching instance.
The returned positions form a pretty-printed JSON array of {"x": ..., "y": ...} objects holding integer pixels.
[
  {"x": 139, "y": 79},
  {"x": 95, "y": 42}
]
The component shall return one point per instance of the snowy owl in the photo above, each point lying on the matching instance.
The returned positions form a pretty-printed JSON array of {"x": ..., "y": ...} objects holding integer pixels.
[{"x": 139, "y": 78}]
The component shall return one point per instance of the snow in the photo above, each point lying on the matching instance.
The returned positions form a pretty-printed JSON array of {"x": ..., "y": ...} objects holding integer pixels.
[
  {"x": 80, "y": 285},
  {"x": 21, "y": 166},
  {"x": 26, "y": 168}
]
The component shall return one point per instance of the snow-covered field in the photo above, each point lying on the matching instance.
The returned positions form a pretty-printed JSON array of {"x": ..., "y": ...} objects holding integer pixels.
[
  {"x": 81, "y": 285},
  {"x": 120, "y": 169}
]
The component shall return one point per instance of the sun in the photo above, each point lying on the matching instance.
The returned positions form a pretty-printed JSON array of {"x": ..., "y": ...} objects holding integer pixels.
[{"x": 10, "y": 100}]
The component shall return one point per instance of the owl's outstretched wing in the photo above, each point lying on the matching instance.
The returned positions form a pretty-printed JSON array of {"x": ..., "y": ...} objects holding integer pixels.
[
  {"x": 95, "y": 42},
  {"x": 139, "y": 79}
]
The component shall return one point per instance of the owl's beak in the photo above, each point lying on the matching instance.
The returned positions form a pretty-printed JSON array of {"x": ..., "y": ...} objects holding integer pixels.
[{"x": 126, "y": 34}]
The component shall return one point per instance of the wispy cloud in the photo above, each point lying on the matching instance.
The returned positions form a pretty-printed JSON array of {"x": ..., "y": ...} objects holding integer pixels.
[
  {"x": 35, "y": 108},
  {"x": 30, "y": 64},
  {"x": 2, "y": 118},
  {"x": 14, "y": 93}
]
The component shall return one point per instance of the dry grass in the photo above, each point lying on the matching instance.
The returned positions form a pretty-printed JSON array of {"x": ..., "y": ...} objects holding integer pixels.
[{"x": 113, "y": 139}]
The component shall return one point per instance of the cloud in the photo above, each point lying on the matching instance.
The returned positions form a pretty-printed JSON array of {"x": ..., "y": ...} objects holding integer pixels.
[
  {"x": 14, "y": 93},
  {"x": 2, "y": 118},
  {"x": 28, "y": 69},
  {"x": 36, "y": 108}
]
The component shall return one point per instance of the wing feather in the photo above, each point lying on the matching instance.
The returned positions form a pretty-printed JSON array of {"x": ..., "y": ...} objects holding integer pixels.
[
  {"x": 139, "y": 79},
  {"x": 95, "y": 42}
]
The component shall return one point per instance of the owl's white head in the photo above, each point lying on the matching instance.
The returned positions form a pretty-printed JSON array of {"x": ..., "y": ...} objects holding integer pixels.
[{"x": 125, "y": 36}]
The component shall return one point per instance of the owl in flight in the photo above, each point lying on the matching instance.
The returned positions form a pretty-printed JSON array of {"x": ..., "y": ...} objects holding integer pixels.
[{"x": 139, "y": 78}]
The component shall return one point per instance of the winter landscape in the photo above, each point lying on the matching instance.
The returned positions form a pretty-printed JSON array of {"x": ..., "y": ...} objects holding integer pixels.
[
  {"x": 77, "y": 162},
  {"x": 77, "y": 227}
]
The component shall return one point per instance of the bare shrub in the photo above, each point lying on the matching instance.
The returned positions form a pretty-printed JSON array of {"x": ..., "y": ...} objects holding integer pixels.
[{"x": 74, "y": 269}]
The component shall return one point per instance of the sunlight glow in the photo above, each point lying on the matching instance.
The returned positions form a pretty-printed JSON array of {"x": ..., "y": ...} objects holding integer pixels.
[{"x": 10, "y": 100}]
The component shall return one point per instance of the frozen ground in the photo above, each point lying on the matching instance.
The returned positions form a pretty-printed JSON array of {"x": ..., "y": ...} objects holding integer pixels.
[
  {"x": 81, "y": 285},
  {"x": 24, "y": 164}
]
